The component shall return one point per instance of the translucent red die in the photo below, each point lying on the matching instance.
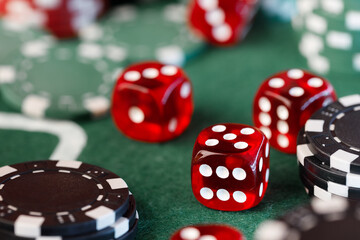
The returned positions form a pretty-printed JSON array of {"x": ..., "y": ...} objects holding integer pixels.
[
  {"x": 208, "y": 232},
  {"x": 230, "y": 167},
  {"x": 285, "y": 101},
  {"x": 222, "y": 22},
  {"x": 152, "y": 102}
]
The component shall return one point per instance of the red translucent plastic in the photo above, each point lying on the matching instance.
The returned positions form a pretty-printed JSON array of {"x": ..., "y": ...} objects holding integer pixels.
[
  {"x": 218, "y": 232},
  {"x": 285, "y": 101},
  {"x": 152, "y": 102},
  {"x": 222, "y": 22},
  {"x": 230, "y": 167}
]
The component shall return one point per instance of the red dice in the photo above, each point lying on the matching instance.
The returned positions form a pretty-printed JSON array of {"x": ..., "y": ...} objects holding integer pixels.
[
  {"x": 285, "y": 101},
  {"x": 230, "y": 167},
  {"x": 63, "y": 18},
  {"x": 152, "y": 102},
  {"x": 222, "y": 22},
  {"x": 208, "y": 232}
]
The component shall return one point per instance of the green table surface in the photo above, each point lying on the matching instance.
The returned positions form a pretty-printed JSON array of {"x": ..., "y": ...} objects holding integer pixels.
[{"x": 225, "y": 81}]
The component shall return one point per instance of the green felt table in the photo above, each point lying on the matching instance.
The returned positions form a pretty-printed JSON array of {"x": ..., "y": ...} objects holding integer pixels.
[{"x": 225, "y": 81}]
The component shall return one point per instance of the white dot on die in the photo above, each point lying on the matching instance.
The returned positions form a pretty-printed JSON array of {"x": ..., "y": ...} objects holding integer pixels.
[
  {"x": 264, "y": 104},
  {"x": 261, "y": 162},
  {"x": 215, "y": 17},
  {"x": 132, "y": 76},
  {"x": 276, "y": 83},
  {"x": 239, "y": 174},
  {"x": 261, "y": 189},
  {"x": 283, "y": 141},
  {"x": 206, "y": 193},
  {"x": 136, "y": 115},
  {"x": 239, "y": 196},
  {"x": 150, "y": 73},
  {"x": 172, "y": 125},
  {"x": 223, "y": 195},
  {"x": 211, "y": 142},
  {"x": 230, "y": 136},
  {"x": 282, "y": 127},
  {"x": 241, "y": 145},
  {"x": 266, "y": 131},
  {"x": 247, "y": 131},
  {"x": 315, "y": 82},
  {"x": 267, "y": 150},
  {"x": 222, "y": 33},
  {"x": 267, "y": 175},
  {"x": 222, "y": 172},
  {"x": 190, "y": 233},
  {"x": 282, "y": 112},
  {"x": 185, "y": 90},
  {"x": 218, "y": 128},
  {"x": 169, "y": 70},
  {"x": 208, "y": 5},
  {"x": 207, "y": 237},
  {"x": 295, "y": 73},
  {"x": 265, "y": 119},
  {"x": 205, "y": 170},
  {"x": 296, "y": 91}
]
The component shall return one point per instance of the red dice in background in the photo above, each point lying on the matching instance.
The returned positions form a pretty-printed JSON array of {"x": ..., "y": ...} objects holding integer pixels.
[
  {"x": 62, "y": 18},
  {"x": 230, "y": 167},
  {"x": 208, "y": 232},
  {"x": 222, "y": 22},
  {"x": 285, "y": 101},
  {"x": 152, "y": 102}
]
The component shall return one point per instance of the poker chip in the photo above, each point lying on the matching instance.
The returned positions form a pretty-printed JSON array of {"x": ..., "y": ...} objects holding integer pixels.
[
  {"x": 60, "y": 198},
  {"x": 36, "y": 79},
  {"x": 335, "y": 219},
  {"x": 334, "y": 134},
  {"x": 156, "y": 31},
  {"x": 329, "y": 32}
]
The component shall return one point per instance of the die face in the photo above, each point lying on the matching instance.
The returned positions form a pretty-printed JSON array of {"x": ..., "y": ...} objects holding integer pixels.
[
  {"x": 285, "y": 101},
  {"x": 152, "y": 102},
  {"x": 230, "y": 167},
  {"x": 221, "y": 22},
  {"x": 208, "y": 232}
]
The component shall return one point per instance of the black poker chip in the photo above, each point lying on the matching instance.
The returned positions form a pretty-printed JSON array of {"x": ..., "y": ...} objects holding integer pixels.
[
  {"x": 59, "y": 198},
  {"x": 334, "y": 134},
  {"x": 313, "y": 164},
  {"x": 331, "y": 187},
  {"x": 330, "y": 220}
]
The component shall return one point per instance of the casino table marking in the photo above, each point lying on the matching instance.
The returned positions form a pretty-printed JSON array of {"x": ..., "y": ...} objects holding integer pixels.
[{"x": 72, "y": 137}]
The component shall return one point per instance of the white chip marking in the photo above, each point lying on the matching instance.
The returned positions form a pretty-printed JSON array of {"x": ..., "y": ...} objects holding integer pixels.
[
  {"x": 117, "y": 183},
  {"x": 229, "y": 136},
  {"x": 247, "y": 131},
  {"x": 190, "y": 233},
  {"x": 28, "y": 226},
  {"x": 315, "y": 82},
  {"x": 185, "y": 90},
  {"x": 261, "y": 189},
  {"x": 342, "y": 160},
  {"x": 132, "y": 76},
  {"x": 97, "y": 105},
  {"x": 272, "y": 230},
  {"x": 211, "y": 142},
  {"x": 282, "y": 127},
  {"x": 218, "y": 128},
  {"x": 339, "y": 40},
  {"x": 206, "y": 193},
  {"x": 265, "y": 119},
  {"x": 169, "y": 70},
  {"x": 333, "y": 6},
  {"x": 239, "y": 174},
  {"x": 150, "y": 73},
  {"x": 7, "y": 74},
  {"x": 295, "y": 73},
  {"x": 136, "y": 115},
  {"x": 283, "y": 141},
  {"x": 69, "y": 164},
  {"x": 316, "y": 24},
  {"x": 353, "y": 20},
  {"x": 282, "y": 112},
  {"x": 322, "y": 194},
  {"x": 239, "y": 196},
  {"x": 276, "y": 83},
  {"x": 314, "y": 125},
  {"x": 264, "y": 104},
  {"x": 223, "y": 194},
  {"x": 296, "y": 91},
  {"x": 356, "y": 62},
  {"x": 241, "y": 145},
  {"x": 350, "y": 100},
  {"x": 121, "y": 226},
  {"x": 205, "y": 170},
  {"x": 90, "y": 51},
  {"x": 6, "y": 170},
  {"x": 104, "y": 216},
  {"x": 337, "y": 205},
  {"x": 172, "y": 54},
  {"x": 222, "y": 33},
  {"x": 222, "y": 172},
  {"x": 261, "y": 162}
]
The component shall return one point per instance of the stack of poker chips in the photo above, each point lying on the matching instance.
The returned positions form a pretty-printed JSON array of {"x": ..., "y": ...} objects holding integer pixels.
[
  {"x": 328, "y": 150},
  {"x": 65, "y": 200},
  {"x": 329, "y": 33},
  {"x": 330, "y": 220}
]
